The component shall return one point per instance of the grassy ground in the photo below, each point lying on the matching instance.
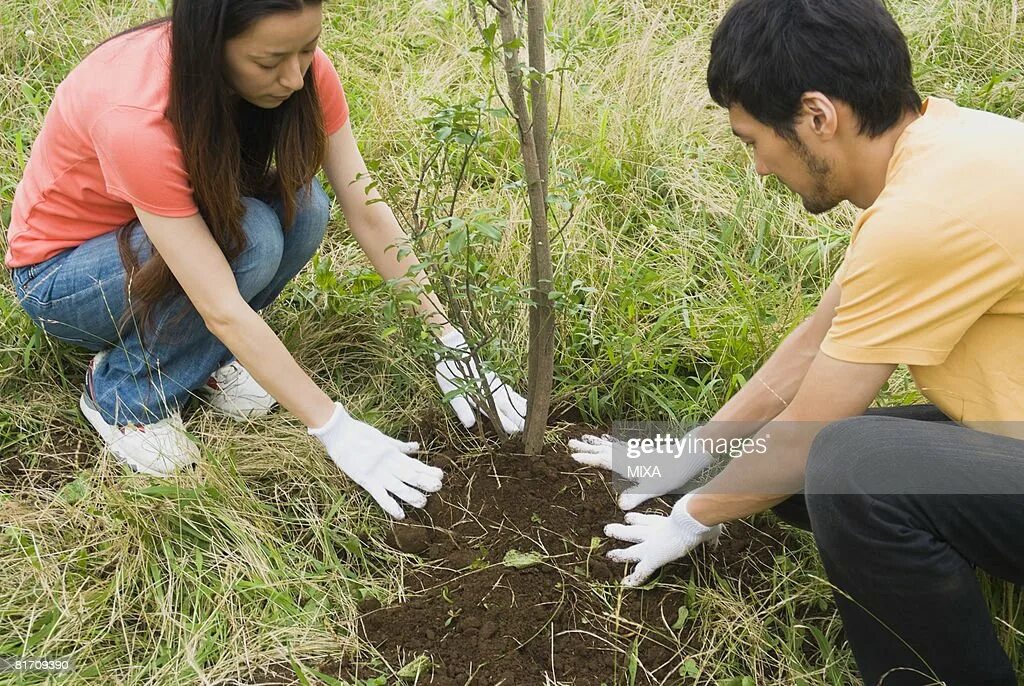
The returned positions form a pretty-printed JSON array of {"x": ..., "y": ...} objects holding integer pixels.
[{"x": 697, "y": 269}]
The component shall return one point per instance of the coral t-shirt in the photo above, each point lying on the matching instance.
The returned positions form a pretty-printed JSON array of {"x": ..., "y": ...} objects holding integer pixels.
[
  {"x": 106, "y": 145},
  {"x": 934, "y": 276}
]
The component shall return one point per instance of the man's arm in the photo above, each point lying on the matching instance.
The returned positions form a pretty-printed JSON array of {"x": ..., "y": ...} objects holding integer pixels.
[
  {"x": 770, "y": 390},
  {"x": 756, "y": 481},
  {"x": 783, "y": 373},
  {"x": 815, "y": 390},
  {"x": 758, "y": 478}
]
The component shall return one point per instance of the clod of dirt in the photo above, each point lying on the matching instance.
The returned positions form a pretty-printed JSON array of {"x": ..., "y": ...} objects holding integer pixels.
[
  {"x": 460, "y": 559},
  {"x": 368, "y": 604},
  {"x": 600, "y": 571},
  {"x": 410, "y": 539},
  {"x": 488, "y": 630}
]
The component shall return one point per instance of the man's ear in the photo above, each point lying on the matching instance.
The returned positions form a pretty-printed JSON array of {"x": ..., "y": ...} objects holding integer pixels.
[{"x": 819, "y": 114}]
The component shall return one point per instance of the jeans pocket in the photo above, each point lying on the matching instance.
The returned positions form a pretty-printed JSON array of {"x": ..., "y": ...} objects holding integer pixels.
[
  {"x": 33, "y": 293},
  {"x": 21, "y": 277},
  {"x": 32, "y": 285}
]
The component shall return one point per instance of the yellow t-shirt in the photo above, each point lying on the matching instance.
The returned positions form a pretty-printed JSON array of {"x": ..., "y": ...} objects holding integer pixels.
[{"x": 934, "y": 275}]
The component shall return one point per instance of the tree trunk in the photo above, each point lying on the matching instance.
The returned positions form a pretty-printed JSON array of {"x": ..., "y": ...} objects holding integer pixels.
[{"x": 533, "y": 139}]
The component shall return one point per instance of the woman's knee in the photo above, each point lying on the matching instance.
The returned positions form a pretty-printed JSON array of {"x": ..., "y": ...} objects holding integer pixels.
[
  {"x": 312, "y": 212},
  {"x": 256, "y": 265},
  {"x": 314, "y": 206}
]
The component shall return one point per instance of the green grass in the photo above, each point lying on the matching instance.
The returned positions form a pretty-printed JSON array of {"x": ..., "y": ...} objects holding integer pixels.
[{"x": 697, "y": 269}]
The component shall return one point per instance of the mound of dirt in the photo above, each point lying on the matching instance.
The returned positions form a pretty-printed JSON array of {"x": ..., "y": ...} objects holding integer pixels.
[{"x": 516, "y": 586}]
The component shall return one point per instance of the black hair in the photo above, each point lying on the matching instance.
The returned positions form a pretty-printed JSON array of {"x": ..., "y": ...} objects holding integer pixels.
[{"x": 766, "y": 54}]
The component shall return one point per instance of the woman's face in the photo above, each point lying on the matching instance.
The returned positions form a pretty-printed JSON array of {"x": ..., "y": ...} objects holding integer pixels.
[{"x": 268, "y": 61}]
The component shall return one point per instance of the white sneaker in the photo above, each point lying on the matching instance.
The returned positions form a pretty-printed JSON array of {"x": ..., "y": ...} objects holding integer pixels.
[
  {"x": 231, "y": 390},
  {"x": 159, "y": 449}
]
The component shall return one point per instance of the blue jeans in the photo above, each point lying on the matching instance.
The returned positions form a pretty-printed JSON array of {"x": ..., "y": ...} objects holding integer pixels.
[{"x": 78, "y": 296}]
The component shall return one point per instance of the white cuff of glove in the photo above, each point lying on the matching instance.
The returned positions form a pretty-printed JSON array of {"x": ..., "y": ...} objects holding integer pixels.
[
  {"x": 339, "y": 417},
  {"x": 682, "y": 518},
  {"x": 454, "y": 339}
]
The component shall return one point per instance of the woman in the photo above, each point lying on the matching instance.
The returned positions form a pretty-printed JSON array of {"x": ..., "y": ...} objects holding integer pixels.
[{"x": 205, "y": 131}]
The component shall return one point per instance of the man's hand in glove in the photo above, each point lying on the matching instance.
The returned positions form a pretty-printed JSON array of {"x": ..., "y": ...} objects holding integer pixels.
[
  {"x": 658, "y": 539},
  {"x": 608, "y": 453}
]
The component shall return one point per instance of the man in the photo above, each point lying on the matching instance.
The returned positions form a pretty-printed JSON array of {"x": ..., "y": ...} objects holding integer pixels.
[{"x": 902, "y": 509}]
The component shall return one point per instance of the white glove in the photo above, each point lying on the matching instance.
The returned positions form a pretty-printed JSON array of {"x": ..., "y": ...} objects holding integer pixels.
[
  {"x": 609, "y": 453},
  {"x": 457, "y": 373},
  {"x": 377, "y": 462},
  {"x": 659, "y": 539}
]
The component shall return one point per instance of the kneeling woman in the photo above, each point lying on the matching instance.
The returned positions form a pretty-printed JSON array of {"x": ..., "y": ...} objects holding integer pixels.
[{"x": 169, "y": 197}]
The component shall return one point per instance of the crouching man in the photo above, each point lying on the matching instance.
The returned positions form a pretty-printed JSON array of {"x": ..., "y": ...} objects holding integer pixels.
[{"x": 903, "y": 503}]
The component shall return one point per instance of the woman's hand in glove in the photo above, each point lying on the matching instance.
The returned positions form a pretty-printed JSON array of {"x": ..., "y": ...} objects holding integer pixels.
[{"x": 378, "y": 463}]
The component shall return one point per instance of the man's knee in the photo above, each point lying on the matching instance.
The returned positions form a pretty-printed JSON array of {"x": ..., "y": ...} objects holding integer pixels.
[
  {"x": 830, "y": 450},
  {"x": 852, "y": 463},
  {"x": 850, "y": 456}
]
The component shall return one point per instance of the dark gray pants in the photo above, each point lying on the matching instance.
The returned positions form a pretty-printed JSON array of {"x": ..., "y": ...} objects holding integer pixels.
[{"x": 903, "y": 561}]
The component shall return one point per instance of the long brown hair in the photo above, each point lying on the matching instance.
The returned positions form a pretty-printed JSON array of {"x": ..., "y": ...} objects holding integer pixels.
[{"x": 231, "y": 148}]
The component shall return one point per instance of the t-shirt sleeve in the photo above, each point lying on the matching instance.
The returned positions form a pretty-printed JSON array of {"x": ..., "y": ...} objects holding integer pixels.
[
  {"x": 141, "y": 161},
  {"x": 912, "y": 284},
  {"x": 330, "y": 92}
]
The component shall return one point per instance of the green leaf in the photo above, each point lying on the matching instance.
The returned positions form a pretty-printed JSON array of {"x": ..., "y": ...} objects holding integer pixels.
[
  {"x": 490, "y": 32},
  {"x": 457, "y": 242},
  {"x": 418, "y": 666},
  {"x": 689, "y": 668},
  {"x": 684, "y": 612},
  {"x": 518, "y": 560},
  {"x": 634, "y": 661},
  {"x": 73, "y": 492}
]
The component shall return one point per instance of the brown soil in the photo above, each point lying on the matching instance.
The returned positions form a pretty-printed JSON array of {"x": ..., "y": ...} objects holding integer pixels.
[
  {"x": 482, "y": 621},
  {"x": 47, "y": 463}
]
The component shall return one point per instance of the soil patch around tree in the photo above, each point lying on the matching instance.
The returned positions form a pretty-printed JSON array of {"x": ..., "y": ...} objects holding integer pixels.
[{"x": 516, "y": 590}]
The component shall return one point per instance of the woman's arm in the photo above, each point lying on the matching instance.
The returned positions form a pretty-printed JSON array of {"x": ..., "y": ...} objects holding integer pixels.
[
  {"x": 373, "y": 223},
  {"x": 375, "y": 461},
  {"x": 199, "y": 265},
  {"x": 380, "y": 236}
]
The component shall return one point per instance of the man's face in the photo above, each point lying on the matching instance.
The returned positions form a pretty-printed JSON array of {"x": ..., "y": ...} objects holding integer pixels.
[
  {"x": 267, "y": 63},
  {"x": 792, "y": 162}
]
